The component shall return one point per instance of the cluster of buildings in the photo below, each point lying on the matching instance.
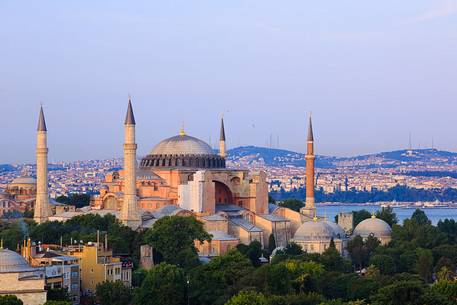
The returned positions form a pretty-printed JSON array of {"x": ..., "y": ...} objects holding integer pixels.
[
  {"x": 76, "y": 269},
  {"x": 180, "y": 176},
  {"x": 344, "y": 179}
]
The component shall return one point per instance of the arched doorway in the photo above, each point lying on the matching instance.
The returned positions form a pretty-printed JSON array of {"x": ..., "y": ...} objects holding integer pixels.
[
  {"x": 110, "y": 203},
  {"x": 223, "y": 193}
]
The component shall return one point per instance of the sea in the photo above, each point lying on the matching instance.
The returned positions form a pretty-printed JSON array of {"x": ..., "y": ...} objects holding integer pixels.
[{"x": 433, "y": 213}]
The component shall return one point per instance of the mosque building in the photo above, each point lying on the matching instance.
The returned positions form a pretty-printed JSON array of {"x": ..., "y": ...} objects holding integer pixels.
[
  {"x": 19, "y": 195},
  {"x": 182, "y": 175}
]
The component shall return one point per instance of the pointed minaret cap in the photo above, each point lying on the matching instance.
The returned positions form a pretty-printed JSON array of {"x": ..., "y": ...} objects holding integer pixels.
[
  {"x": 129, "y": 117},
  {"x": 222, "y": 138},
  {"x": 310, "y": 130},
  {"x": 41, "y": 121}
]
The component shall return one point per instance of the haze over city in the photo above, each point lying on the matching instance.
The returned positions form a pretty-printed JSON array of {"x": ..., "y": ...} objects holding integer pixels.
[{"x": 262, "y": 64}]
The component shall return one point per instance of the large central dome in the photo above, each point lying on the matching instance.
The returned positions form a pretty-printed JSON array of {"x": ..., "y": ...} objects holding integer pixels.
[
  {"x": 182, "y": 145},
  {"x": 182, "y": 151}
]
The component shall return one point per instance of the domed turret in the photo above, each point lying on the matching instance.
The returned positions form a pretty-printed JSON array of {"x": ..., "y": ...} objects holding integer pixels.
[{"x": 374, "y": 227}]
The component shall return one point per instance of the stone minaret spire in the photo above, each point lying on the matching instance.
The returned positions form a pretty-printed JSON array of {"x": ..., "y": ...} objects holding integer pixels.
[
  {"x": 309, "y": 205},
  {"x": 222, "y": 147},
  {"x": 42, "y": 208},
  {"x": 130, "y": 214}
]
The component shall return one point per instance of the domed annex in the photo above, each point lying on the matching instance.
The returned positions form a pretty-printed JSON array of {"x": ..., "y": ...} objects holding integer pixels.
[
  {"x": 182, "y": 151},
  {"x": 315, "y": 236},
  {"x": 374, "y": 227},
  {"x": 10, "y": 261},
  {"x": 20, "y": 279}
]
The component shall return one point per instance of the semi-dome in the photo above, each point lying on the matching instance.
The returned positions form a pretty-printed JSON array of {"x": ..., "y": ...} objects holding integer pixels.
[
  {"x": 182, "y": 151},
  {"x": 24, "y": 180},
  {"x": 373, "y": 226},
  {"x": 182, "y": 145},
  {"x": 317, "y": 231},
  {"x": 10, "y": 261}
]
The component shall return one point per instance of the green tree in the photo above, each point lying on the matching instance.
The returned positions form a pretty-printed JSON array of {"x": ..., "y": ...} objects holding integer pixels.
[
  {"x": 332, "y": 259},
  {"x": 420, "y": 218},
  {"x": 424, "y": 265},
  {"x": 384, "y": 263},
  {"x": 248, "y": 298},
  {"x": 164, "y": 285},
  {"x": 174, "y": 237},
  {"x": 253, "y": 251},
  {"x": 271, "y": 243},
  {"x": 10, "y": 300},
  {"x": 446, "y": 288},
  {"x": 13, "y": 234},
  {"x": 387, "y": 214},
  {"x": 359, "y": 216},
  {"x": 400, "y": 293},
  {"x": 60, "y": 294},
  {"x": 279, "y": 279},
  {"x": 293, "y": 204},
  {"x": 51, "y": 302},
  {"x": 217, "y": 281},
  {"x": 113, "y": 293},
  {"x": 358, "y": 251}
]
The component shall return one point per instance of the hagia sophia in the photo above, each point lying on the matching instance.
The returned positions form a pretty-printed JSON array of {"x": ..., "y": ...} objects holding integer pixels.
[{"x": 182, "y": 175}]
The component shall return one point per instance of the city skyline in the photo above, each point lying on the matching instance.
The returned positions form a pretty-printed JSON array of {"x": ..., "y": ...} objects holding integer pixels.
[{"x": 367, "y": 88}]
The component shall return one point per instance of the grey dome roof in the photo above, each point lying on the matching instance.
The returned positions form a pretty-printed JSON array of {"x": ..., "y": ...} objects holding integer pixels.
[
  {"x": 318, "y": 230},
  {"x": 182, "y": 145},
  {"x": 372, "y": 226},
  {"x": 10, "y": 261},
  {"x": 24, "y": 180}
]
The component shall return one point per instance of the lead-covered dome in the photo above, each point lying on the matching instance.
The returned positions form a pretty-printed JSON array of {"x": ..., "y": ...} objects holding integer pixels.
[
  {"x": 24, "y": 180},
  {"x": 318, "y": 231},
  {"x": 10, "y": 261},
  {"x": 373, "y": 226},
  {"x": 182, "y": 151},
  {"x": 182, "y": 145}
]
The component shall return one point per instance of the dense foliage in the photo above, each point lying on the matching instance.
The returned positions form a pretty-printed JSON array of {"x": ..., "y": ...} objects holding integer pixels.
[
  {"x": 78, "y": 200},
  {"x": 113, "y": 293},
  {"x": 80, "y": 228},
  {"x": 417, "y": 267},
  {"x": 10, "y": 300}
]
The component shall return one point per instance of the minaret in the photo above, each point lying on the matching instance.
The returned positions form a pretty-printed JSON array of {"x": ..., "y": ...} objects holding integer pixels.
[
  {"x": 222, "y": 152},
  {"x": 130, "y": 214},
  {"x": 42, "y": 208},
  {"x": 310, "y": 209}
]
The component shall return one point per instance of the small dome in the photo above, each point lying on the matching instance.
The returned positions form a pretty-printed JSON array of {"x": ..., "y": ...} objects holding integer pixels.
[
  {"x": 24, "y": 180},
  {"x": 10, "y": 261},
  {"x": 182, "y": 145},
  {"x": 318, "y": 230},
  {"x": 372, "y": 226},
  {"x": 339, "y": 232}
]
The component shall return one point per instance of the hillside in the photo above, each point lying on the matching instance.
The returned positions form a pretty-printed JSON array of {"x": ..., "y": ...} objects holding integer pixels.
[{"x": 278, "y": 157}]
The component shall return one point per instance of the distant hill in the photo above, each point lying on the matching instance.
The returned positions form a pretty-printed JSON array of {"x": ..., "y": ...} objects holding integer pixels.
[
  {"x": 251, "y": 155},
  {"x": 6, "y": 168},
  {"x": 274, "y": 157}
]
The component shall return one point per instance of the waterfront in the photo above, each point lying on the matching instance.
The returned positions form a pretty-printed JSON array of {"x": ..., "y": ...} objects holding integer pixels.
[{"x": 434, "y": 214}]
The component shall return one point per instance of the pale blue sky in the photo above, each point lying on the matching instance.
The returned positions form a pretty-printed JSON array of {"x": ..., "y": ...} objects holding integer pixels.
[{"x": 370, "y": 71}]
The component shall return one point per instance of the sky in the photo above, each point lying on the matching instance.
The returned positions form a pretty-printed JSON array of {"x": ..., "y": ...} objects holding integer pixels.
[{"x": 370, "y": 72}]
